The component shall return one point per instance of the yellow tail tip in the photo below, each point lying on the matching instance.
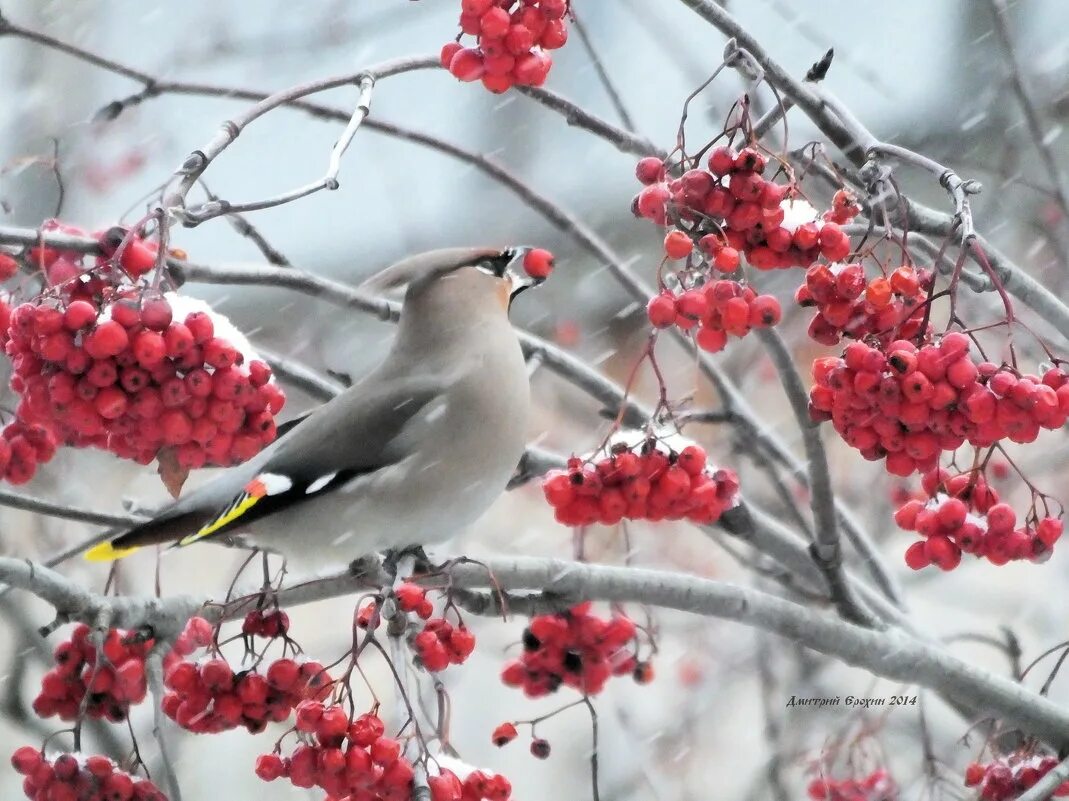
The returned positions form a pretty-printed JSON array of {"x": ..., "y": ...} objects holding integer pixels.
[{"x": 107, "y": 552}]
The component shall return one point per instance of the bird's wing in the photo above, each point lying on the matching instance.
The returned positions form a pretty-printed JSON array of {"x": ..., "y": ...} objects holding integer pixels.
[{"x": 356, "y": 433}]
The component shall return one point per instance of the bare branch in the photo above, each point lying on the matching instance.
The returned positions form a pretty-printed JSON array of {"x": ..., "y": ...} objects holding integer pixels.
[
  {"x": 197, "y": 162},
  {"x": 160, "y": 723},
  {"x": 603, "y": 75},
  {"x": 16, "y": 500},
  {"x": 1000, "y": 15},
  {"x": 889, "y": 653},
  {"x": 826, "y": 548}
]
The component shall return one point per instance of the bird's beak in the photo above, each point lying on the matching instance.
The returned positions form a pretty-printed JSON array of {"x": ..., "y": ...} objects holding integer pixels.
[{"x": 518, "y": 276}]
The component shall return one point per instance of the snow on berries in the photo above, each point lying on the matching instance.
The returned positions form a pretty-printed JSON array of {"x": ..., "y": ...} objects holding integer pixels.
[
  {"x": 575, "y": 648},
  {"x": 641, "y": 478},
  {"x": 210, "y": 696},
  {"x": 729, "y": 209},
  {"x": 269, "y": 624},
  {"x": 102, "y": 360},
  {"x": 74, "y": 777},
  {"x": 717, "y": 216},
  {"x": 1008, "y": 776},
  {"x": 512, "y": 41},
  {"x": 106, "y": 681},
  {"x": 963, "y": 514},
  {"x": 876, "y": 786},
  {"x": 848, "y": 305},
  {"x": 907, "y": 405},
  {"x": 350, "y": 759}
]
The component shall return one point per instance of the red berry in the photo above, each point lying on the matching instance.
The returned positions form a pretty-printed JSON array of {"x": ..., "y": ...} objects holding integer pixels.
[
  {"x": 467, "y": 65},
  {"x": 107, "y": 339},
  {"x": 503, "y": 734},
  {"x": 540, "y": 748},
  {"x": 661, "y": 310},
  {"x": 538, "y": 263},
  {"x": 677, "y": 245}
]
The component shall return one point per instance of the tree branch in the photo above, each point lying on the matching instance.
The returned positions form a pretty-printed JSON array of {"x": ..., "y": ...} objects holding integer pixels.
[
  {"x": 826, "y": 548},
  {"x": 1000, "y": 15},
  {"x": 889, "y": 653}
]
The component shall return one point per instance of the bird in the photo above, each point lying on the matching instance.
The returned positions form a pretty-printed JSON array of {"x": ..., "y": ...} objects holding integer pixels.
[{"x": 409, "y": 455}]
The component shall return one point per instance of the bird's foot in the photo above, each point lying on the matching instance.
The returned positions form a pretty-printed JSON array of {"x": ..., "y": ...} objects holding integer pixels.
[
  {"x": 394, "y": 557},
  {"x": 367, "y": 568}
]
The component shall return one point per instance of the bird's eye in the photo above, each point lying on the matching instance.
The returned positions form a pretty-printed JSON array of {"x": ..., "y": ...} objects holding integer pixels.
[{"x": 497, "y": 265}]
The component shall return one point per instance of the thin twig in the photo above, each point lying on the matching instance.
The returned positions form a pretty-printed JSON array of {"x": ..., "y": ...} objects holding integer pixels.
[
  {"x": 826, "y": 548},
  {"x": 603, "y": 75},
  {"x": 1000, "y": 16},
  {"x": 197, "y": 162},
  {"x": 160, "y": 723}
]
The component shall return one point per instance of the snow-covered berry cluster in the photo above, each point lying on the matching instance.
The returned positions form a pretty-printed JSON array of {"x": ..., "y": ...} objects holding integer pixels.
[
  {"x": 848, "y": 305},
  {"x": 263, "y": 623},
  {"x": 907, "y": 405},
  {"x": 73, "y": 777},
  {"x": 718, "y": 308},
  {"x": 877, "y": 786},
  {"x": 641, "y": 479},
  {"x": 354, "y": 760},
  {"x": 1006, "y": 777},
  {"x": 345, "y": 759},
  {"x": 107, "y": 681},
  {"x": 729, "y": 209},
  {"x": 963, "y": 514},
  {"x": 577, "y": 649},
  {"x": 511, "y": 42},
  {"x": 207, "y": 696},
  {"x": 103, "y": 360}
]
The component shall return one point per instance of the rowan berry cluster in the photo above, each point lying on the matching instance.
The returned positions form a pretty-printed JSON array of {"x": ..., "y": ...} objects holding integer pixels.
[
  {"x": 344, "y": 758},
  {"x": 576, "y": 649},
  {"x": 476, "y": 786},
  {"x": 512, "y": 40},
  {"x": 1008, "y": 776},
  {"x": 107, "y": 686},
  {"x": 646, "y": 480},
  {"x": 23, "y": 446},
  {"x": 850, "y": 306},
  {"x": 9, "y": 267},
  {"x": 877, "y": 786},
  {"x": 260, "y": 623},
  {"x": 718, "y": 309},
  {"x": 733, "y": 211},
  {"x": 436, "y": 642},
  {"x": 208, "y": 696},
  {"x": 963, "y": 514},
  {"x": 353, "y": 760},
  {"x": 100, "y": 360},
  {"x": 907, "y": 405},
  {"x": 73, "y": 777}
]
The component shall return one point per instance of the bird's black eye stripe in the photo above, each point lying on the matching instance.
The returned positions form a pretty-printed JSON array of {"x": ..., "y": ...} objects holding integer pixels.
[{"x": 496, "y": 265}]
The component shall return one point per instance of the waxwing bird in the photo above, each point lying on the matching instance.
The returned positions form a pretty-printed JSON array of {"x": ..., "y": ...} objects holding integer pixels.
[{"x": 409, "y": 455}]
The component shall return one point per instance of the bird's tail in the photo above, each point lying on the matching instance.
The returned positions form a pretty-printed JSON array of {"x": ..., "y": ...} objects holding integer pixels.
[
  {"x": 167, "y": 527},
  {"x": 109, "y": 551}
]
